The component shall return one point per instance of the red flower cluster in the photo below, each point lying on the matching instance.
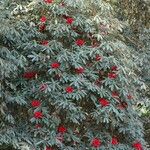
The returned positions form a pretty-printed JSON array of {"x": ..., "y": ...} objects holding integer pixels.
[
  {"x": 65, "y": 17},
  {"x": 38, "y": 126},
  {"x": 129, "y": 97},
  {"x": 60, "y": 137},
  {"x": 62, "y": 129},
  {"x": 35, "y": 103},
  {"x": 43, "y": 19},
  {"x": 114, "y": 68},
  {"x": 48, "y": 148},
  {"x": 123, "y": 105},
  {"x": 96, "y": 143},
  {"x": 38, "y": 115},
  {"x": 114, "y": 141},
  {"x": 112, "y": 75},
  {"x": 69, "y": 89},
  {"x": 29, "y": 75},
  {"x": 115, "y": 94},
  {"x": 69, "y": 20},
  {"x": 98, "y": 81},
  {"x": 104, "y": 102},
  {"x": 42, "y": 27},
  {"x": 80, "y": 42},
  {"x": 57, "y": 76},
  {"x": 55, "y": 65},
  {"x": 98, "y": 57},
  {"x": 79, "y": 70},
  {"x": 43, "y": 87},
  {"x": 48, "y": 1},
  {"x": 44, "y": 43},
  {"x": 62, "y": 4},
  {"x": 137, "y": 146}
]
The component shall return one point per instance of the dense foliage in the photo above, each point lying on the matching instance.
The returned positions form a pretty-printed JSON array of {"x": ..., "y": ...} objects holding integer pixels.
[{"x": 68, "y": 82}]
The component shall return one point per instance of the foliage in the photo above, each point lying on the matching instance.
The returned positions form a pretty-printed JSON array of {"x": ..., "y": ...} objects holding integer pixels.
[
  {"x": 68, "y": 82},
  {"x": 136, "y": 35}
]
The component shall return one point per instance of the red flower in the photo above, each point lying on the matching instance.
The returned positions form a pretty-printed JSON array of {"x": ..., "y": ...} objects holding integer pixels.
[
  {"x": 104, "y": 102},
  {"x": 112, "y": 75},
  {"x": 137, "y": 146},
  {"x": 35, "y": 103},
  {"x": 96, "y": 143},
  {"x": 62, "y": 4},
  {"x": 129, "y": 96},
  {"x": 57, "y": 76},
  {"x": 60, "y": 137},
  {"x": 48, "y": 148},
  {"x": 89, "y": 64},
  {"x": 80, "y": 42},
  {"x": 43, "y": 19},
  {"x": 69, "y": 20},
  {"x": 45, "y": 43},
  {"x": 115, "y": 94},
  {"x": 55, "y": 65},
  {"x": 48, "y": 1},
  {"x": 29, "y": 75},
  {"x": 114, "y": 68},
  {"x": 38, "y": 115},
  {"x": 38, "y": 126},
  {"x": 123, "y": 105},
  {"x": 43, "y": 87},
  {"x": 65, "y": 17},
  {"x": 42, "y": 27},
  {"x": 79, "y": 70},
  {"x": 114, "y": 141},
  {"x": 62, "y": 129},
  {"x": 98, "y": 57},
  {"x": 69, "y": 89},
  {"x": 101, "y": 72},
  {"x": 98, "y": 81}
]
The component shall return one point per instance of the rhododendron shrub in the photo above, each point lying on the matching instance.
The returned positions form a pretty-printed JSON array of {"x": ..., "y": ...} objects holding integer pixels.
[{"x": 76, "y": 85}]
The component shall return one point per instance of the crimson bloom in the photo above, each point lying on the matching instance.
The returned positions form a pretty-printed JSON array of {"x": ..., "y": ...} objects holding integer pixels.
[
  {"x": 137, "y": 146},
  {"x": 43, "y": 87},
  {"x": 57, "y": 76},
  {"x": 114, "y": 68},
  {"x": 48, "y": 1},
  {"x": 79, "y": 70},
  {"x": 29, "y": 75},
  {"x": 69, "y": 20},
  {"x": 115, "y": 94},
  {"x": 60, "y": 137},
  {"x": 43, "y": 19},
  {"x": 48, "y": 148},
  {"x": 80, "y": 42},
  {"x": 98, "y": 57},
  {"x": 69, "y": 89},
  {"x": 104, "y": 102},
  {"x": 44, "y": 43},
  {"x": 123, "y": 105},
  {"x": 96, "y": 143},
  {"x": 38, "y": 115},
  {"x": 62, "y": 4},
  {"x": 129, "y": 96},
  {"x": 35, "y": 103},
  {"x": 98, "y": 81},
  {"x": 114, "y": 141},
  {"x": 55, "y": 65},
  {"x": 42, "y": 27},
  {"x": 62, "y": 129},
  {"x": 65, "y": 17},
  {"x": 112, "y": 75},
  {"x": 38, "y": 126}
]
